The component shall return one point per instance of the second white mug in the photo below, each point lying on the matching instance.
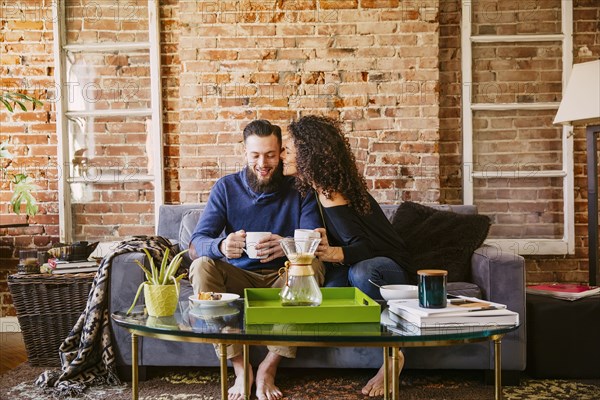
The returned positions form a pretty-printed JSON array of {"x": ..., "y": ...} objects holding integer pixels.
[{"x": 304, "y": 234}]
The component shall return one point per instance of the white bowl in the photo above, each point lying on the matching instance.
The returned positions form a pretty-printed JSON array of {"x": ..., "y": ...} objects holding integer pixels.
[{"x": 395, "y": 292}]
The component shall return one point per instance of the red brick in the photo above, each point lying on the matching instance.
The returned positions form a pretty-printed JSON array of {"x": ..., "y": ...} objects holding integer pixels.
[{"x": 338, "y": 4}]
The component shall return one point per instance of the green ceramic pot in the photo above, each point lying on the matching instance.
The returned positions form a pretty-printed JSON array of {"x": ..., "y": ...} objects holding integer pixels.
[{"x": 161, "y": 300}]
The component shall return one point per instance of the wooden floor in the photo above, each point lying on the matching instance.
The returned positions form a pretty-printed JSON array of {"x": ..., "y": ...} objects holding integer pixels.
[{"x": 12, "y": 351}]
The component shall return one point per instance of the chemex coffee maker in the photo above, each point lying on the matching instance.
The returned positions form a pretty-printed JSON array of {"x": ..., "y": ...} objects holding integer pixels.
[{"x": 301, "y": 288}]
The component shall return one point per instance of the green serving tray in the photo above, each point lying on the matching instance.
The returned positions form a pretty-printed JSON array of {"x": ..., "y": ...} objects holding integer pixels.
[{"x": 348, "y": 304}]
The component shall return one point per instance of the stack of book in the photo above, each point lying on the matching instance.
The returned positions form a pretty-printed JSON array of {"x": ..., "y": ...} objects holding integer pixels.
[
  {"x": 75, "y": 267},
  {"x": 460, "y": 312},
  {"x": 564, "y": 291}
]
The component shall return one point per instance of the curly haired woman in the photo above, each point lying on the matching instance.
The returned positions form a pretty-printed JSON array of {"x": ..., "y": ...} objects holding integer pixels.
[{"x": 358, "y": 235}]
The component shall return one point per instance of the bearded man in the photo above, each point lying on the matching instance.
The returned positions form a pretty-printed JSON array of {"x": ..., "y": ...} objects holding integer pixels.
[{"x": 259, "y": 198}]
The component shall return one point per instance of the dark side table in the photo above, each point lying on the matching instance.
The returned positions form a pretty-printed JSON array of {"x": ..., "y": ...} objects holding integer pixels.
[{"x": 563, "y": 337}]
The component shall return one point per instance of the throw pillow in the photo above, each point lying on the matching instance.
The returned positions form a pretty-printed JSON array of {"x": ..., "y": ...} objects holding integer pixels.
[
  {"x": 188, "y": 224},
  {"x": 441, "y": 239}
]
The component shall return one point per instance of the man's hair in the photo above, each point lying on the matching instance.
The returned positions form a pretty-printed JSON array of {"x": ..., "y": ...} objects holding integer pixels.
[{"x": 262, "y": 128}]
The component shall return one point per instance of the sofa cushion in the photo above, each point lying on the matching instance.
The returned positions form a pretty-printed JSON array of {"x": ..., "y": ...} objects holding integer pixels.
[
  {"x": 441, "y": 239},
  {"x": 188, "y": 223}
]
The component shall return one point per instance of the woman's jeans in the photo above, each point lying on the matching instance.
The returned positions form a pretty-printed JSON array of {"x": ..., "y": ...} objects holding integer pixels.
[{"x": 381, "y": 270}]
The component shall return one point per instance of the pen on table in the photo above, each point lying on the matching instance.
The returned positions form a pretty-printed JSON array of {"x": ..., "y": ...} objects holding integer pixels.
[{"x": 486, "y": 308}]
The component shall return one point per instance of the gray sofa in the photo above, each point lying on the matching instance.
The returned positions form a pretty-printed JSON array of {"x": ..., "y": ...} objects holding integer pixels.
[{"x": 495, "y": 277}]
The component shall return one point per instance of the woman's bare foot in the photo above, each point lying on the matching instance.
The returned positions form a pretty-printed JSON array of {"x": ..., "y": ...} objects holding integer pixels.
[
  {"x": 237, "y": 391},
  {"x": 265, "y": 378},
  {"x": 375, "y": 385}
]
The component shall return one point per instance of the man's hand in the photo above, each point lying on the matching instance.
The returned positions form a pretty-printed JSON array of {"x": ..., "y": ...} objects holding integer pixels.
[
  {"x": 233, "y": 244},
  {"x": 271, "y": 247},
  {"x": 326, "y": 252}
]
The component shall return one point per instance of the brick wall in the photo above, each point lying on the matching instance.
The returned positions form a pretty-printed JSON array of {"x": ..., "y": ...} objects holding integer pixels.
[
  {"x": 389, "y": 69},
  {"x": 525, "y": 73},
  {"x": 372, "y": 64}
]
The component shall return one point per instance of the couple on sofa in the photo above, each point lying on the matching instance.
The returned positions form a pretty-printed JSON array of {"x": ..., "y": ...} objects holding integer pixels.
[{"x": 275, "y": 193}]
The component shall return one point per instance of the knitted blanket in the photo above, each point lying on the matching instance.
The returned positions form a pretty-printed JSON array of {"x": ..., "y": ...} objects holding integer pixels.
[{"x": 87, "y": 356}]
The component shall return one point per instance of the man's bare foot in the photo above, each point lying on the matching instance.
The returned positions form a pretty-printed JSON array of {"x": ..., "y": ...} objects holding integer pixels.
[
  {"x": 375, "y": 385},
  {"x": 265, "y": 378},
  {"x": 237, "y": 391}
]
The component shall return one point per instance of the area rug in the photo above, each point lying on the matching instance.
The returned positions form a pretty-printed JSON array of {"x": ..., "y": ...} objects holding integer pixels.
[{"x": 312, "y": 384}]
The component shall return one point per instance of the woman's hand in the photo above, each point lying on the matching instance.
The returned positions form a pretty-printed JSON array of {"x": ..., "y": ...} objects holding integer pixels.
[{"x": 328, "y": 253}]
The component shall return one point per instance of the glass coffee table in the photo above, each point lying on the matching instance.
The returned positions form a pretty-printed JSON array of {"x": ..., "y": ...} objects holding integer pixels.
[{"x": 225, "y": 325}]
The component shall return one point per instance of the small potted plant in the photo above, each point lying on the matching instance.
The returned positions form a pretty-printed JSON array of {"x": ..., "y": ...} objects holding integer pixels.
[
  {"x": 161, "y": 288},
  {"x": 23, "y": 185}
]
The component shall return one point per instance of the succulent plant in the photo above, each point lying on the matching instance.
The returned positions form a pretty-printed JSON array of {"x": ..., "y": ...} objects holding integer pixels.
[{"x": 165, "y": 275}]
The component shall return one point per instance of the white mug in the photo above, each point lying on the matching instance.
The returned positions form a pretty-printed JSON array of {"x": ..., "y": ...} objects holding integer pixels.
[
  {"x": 300, "y": 234},
  {"x": 305, "y": 234},
  {"x": 252, "y": 239}
]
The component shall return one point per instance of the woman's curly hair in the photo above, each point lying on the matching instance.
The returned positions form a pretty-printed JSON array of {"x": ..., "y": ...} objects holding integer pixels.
[{"x": 324, "y": 158}]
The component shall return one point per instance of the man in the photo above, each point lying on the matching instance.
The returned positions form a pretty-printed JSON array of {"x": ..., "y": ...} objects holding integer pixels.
[{"x": 258, "y": 198}]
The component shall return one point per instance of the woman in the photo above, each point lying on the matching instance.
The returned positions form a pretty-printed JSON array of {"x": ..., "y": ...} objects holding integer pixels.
[{"x": 357, "y": 233}]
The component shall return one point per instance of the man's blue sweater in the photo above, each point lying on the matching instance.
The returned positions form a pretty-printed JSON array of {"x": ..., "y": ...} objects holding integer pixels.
[{"x": 232, "y": 206}]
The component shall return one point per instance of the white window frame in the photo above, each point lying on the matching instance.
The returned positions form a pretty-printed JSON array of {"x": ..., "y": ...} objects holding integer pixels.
[
  {"x": 155, "y": 111},
  {"x": 522, "y": 246}
]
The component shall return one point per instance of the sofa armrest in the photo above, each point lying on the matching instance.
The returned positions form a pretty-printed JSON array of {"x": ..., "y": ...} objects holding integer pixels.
[
  {"x": 125, "y": 278},
  {"x": 500, "y": 276}
]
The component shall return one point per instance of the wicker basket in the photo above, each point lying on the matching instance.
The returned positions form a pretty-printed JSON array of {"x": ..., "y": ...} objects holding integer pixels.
[{"x": 48, "y": 306}]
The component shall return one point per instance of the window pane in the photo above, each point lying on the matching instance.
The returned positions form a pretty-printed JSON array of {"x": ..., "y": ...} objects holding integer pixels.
[
  {"x": 107, "y": 212},
  {"x": 517, "y": 140},
  {"x": 493, "y": 17},
  {"x": 108, "y": 81},
  {"x": 109, "y": 149},
  {"x": 112, "y": 195},
  {"x": 528, "y": 72},
  {"x": 522, "y": 208},
  {"x": 93, "y": 21}
]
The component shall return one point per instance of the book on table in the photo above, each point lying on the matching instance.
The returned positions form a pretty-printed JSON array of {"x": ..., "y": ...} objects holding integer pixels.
[
  {"x": 564, "y": 291},
  {"x": 396, "y": 324},
  {"x": 76, "y": 267},
  {"x": 462, "y": 311}
]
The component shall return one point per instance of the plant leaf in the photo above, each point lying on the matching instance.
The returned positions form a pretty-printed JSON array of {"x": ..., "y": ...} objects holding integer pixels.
[
  {"x": 176, "y": 283},
  {"x": 152, "y": 267},
  {"x": 146, "y": 272},
  {"x": 23, "y": 186},
  {"x": 7, "y": 105},
  {"x": 162, "y": 279},
  {"x": 175, "y": 263},
  {"x": 137, "y": 294},
  {"x": 21, "y": 105}
]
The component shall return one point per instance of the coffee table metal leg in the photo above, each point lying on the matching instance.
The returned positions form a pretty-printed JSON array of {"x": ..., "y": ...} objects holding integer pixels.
[
  {"x": 386, "y": 373},
  {"x": 395, "y": 374},
  {"x": 246, "y": 352},
  {"x": 134, "y": 366},
  {"x": 497, "y": 369},
  {"x": 223, "y": 362}
]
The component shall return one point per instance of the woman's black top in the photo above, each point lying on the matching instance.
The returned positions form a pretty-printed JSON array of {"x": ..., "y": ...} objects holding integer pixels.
[{"x": 365, "y": 236}]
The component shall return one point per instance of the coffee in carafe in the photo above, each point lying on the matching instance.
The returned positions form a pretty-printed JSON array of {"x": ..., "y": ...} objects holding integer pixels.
[{"x": 301, "y": 288}]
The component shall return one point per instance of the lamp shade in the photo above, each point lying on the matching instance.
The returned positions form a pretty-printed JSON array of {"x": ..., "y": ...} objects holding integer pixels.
[{"x": 581, "y": 100}]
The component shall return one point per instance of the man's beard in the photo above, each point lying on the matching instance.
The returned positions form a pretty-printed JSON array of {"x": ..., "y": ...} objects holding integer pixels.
[{"x": 265, "y": 186}]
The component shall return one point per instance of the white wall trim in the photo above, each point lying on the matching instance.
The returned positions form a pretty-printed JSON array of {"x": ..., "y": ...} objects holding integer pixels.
[{"x": 524, "y": 246}]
